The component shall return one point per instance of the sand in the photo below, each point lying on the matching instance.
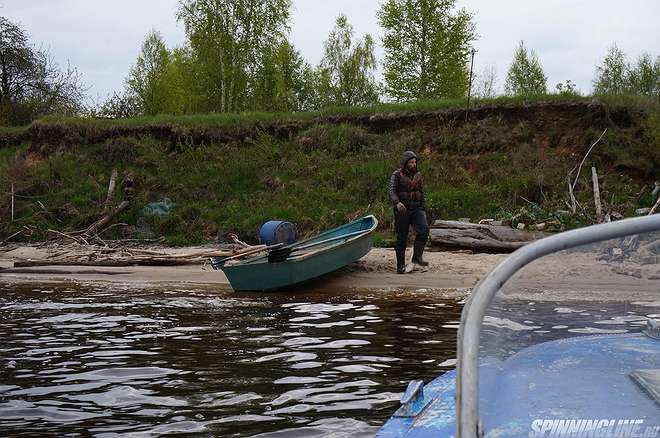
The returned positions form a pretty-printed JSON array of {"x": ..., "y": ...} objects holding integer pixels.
[
  {"x": 563, "y": 276},
  {"x": 455, "y": 271}
]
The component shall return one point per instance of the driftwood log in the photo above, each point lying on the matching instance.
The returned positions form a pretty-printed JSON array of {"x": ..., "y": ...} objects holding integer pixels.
[
  {"x": 90, "y": 255},
  {"x": 477, "y": 237}
]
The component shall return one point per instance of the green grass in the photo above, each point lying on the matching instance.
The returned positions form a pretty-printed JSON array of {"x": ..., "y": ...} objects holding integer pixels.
[
  {"x": 628, "y": 101},
  {"x": 329, "y": 173},
  {"x": 13, "y": 130}
]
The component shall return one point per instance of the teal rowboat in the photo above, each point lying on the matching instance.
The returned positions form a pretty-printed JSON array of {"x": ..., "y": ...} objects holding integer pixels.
[{"x": 308, "y": 259}]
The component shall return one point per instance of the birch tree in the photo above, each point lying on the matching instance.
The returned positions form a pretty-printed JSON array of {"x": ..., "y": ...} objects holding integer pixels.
[
  {"x": 427, "y": 48},
  {"x": 228, "y": 39},
  {"x": 281, "y": 83},
  {"x": 345, "y": 75},
  {"x": 611, "y": 73}
]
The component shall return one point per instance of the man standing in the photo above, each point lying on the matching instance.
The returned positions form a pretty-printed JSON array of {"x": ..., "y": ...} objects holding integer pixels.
[{"x": 407, "y": 196}]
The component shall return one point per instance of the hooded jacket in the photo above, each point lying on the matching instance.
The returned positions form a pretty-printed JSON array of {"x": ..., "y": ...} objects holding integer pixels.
[{"x": 406, "y": 187}]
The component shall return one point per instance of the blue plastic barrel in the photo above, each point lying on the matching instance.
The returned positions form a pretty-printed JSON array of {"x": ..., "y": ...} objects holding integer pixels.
[{"x": 273, "y": 232}]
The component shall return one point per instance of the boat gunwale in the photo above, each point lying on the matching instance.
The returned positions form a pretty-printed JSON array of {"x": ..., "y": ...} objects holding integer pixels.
[{"x": 263, "y": 258}]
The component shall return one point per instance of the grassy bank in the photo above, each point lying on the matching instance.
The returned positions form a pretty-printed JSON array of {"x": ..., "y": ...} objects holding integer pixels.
[{"x": 509, "y": 161}]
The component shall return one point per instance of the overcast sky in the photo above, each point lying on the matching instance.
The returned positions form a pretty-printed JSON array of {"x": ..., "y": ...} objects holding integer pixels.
[{"x": 103, "y": 38}]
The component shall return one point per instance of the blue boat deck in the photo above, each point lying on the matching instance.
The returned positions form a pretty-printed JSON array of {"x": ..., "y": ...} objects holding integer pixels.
[{"x": 586, "y": 377}]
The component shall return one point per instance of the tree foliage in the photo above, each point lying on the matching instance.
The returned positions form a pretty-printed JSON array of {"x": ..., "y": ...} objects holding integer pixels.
[
  {"x": 147, "y": 78},
  {"x": 427, "y": 47},
  {"x": 345, "y": 75},
  {"x": 644, "y": 76},
  {"x": 229, "y": 40},
  {"x": 611, "y": 74},
  {"x": 616, "y": 76},
  {"x": 282, "y": 82},
  {"x": 525, "y": 76},
  {"x": 31, "y": 83}
]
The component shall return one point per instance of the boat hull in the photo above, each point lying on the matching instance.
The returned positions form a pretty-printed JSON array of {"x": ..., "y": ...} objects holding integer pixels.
[{"x": 261, "y": 275}]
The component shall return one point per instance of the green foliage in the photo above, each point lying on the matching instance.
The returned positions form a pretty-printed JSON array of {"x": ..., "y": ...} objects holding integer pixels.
[
  {"x": 567, "y": 89},
  {"x": 283, "y": 83},
  {"x": 644, "y": 77},
  {"x": 147, "y": 78},
  {"x": 339, "y": 140},
  {"x": 236, "y": 58},
  {"x": 611, "y": 74},
  {"x": 345, "y": 75},
  {"x": 615, "y": 76},
  {"x": 229, "y": 40},
  {"x": 525, "y": 76},
  {"x": 427, "y": 45}
]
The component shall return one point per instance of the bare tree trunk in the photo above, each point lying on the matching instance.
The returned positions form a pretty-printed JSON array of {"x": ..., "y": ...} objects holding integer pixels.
[{"x": 585, "y": 159}]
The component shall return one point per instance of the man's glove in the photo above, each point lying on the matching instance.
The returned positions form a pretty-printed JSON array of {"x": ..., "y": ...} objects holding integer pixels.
[{"x": 401, "y": 208}]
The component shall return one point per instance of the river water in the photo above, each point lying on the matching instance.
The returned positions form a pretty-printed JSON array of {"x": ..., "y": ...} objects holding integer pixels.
[{"x": 112, "y": 360}]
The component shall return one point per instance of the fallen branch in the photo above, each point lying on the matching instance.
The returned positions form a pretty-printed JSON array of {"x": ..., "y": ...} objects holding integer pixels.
[
  {"x": 105, "y": 220},
  {"x": 234, "y": 238},
  {"x": 655, "y": 206},
  {"x": 13, "y": 235},
  {"x": 476, "y": 237},
  {"x": 75, "y": 254},
  {"x": 121, "y": 224},
  {"x": 68, "y": 236},
  {"x": 584, "y": 159},
  {"x": 149, "y": 261}
]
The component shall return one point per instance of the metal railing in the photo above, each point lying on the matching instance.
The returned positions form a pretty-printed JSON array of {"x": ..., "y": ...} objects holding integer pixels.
[{"x": 467, "y": 385}]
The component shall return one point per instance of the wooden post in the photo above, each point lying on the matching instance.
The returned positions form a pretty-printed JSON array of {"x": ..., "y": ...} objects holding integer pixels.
[
  {"x": 12, "y": 202},
  {"x": 467, "y": 109},
  {"x": 599, "y": 208},
  {"x": 573, "y": 200},
  {"x": 111, "y": 191}
]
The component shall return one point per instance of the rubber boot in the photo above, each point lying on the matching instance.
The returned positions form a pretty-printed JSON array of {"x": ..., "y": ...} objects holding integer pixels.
[
  {"x": 400, "y": 261},
  {"x": 418, "y": 250}
]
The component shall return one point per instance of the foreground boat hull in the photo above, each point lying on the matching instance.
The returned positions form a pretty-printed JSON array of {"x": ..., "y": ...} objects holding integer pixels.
[
  {"x": 262, "y": 275},
  {"x": 582, "y": 378}
]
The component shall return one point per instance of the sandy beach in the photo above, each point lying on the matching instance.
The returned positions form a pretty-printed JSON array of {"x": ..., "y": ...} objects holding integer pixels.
[
  {"x": 561, "y": 276},
  {"x": 375, "y": 271}
]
